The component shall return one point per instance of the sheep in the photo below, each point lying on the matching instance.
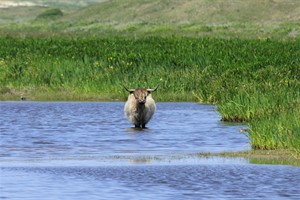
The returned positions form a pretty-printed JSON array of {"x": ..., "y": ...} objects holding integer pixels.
[{"x": 140, "y": 106}]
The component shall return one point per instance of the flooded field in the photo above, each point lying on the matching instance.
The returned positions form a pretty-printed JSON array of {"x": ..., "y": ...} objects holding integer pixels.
[{"x": 82, "y": 150}]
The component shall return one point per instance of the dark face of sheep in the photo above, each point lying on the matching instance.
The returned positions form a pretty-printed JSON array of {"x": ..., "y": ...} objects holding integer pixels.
[{"x": 140, "y": 95}]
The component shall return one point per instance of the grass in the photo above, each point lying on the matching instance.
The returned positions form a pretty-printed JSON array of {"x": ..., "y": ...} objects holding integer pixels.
[
  {"x": 253, "y": 81},
  {"x": 282, "y": 157}
]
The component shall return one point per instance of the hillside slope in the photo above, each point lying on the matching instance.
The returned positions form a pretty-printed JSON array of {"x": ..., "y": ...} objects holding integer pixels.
[
  {"x": 231, "y": 18},
  {"x": 182, "y": 11}
]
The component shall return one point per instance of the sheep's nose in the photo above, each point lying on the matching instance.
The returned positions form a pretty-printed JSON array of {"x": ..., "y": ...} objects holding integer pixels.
[{"x": 142, "y": 101}]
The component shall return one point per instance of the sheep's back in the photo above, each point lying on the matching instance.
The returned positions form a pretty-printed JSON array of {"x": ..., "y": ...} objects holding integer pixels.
[
  {"x": 130, "y": 109},
  {"x": 150, "y": 108}
]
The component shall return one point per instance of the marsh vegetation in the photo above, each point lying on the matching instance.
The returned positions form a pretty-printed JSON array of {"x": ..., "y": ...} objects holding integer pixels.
[{"x": 252, "y": 81}]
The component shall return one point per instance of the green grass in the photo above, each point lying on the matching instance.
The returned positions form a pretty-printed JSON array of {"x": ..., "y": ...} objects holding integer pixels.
[{"x": 252, "y": 81}]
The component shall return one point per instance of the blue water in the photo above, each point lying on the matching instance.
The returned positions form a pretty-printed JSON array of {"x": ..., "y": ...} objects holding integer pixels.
[{"x": 88, "y": 150}]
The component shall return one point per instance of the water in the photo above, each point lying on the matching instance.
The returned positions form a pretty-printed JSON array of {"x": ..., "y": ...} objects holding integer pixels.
[{"x": 75, "y": 150}]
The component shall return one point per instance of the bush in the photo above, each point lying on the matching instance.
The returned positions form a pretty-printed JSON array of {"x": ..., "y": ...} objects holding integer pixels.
[{"x": 51, "y": 13}]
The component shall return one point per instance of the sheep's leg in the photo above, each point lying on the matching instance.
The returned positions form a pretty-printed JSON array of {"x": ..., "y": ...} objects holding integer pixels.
[
  {"x": 143, "y": 125},
  {"x": 137, "y": 126}
]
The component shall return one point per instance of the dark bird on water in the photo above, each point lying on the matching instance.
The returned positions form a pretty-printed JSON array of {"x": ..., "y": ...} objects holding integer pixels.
[{"x": 23, "y": 98}]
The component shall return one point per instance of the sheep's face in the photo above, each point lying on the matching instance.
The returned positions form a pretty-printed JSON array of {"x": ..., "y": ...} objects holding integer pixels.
[{"x": 140, "y": 95}]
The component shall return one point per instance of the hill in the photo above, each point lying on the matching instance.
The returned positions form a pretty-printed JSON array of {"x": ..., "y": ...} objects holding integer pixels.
[
  {"x": 193, "y": 11},
  {"x": 241, "y": 18}
]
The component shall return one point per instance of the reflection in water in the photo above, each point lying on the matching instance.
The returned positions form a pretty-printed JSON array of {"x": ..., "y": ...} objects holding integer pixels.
[
  {"x": 74, "y": 150},
  {"x": 139, "y": 160},
  {"x": 136, "y": 130}
]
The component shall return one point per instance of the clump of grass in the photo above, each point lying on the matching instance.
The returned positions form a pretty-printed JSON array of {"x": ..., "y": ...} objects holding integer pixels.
[{"x": 277, "y": 131}]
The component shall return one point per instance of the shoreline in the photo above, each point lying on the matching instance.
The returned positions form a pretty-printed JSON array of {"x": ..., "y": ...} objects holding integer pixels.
[{"x": 276, "y": 157}]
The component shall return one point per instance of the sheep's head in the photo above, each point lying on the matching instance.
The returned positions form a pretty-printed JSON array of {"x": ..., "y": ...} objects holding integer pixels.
[{"x": 140, "y": 94}]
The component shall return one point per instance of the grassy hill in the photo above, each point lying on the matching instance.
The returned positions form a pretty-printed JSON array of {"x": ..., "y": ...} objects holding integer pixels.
[
  {"x": 193, "y": 11},
  {"x": 231, "y": 18}
]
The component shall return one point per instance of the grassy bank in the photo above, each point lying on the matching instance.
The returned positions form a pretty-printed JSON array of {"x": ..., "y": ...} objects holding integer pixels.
[{"x": 254, "y": 81}]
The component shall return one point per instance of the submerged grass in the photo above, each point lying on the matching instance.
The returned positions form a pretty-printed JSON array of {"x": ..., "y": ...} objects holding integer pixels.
[
  {"x": 254, "y": 81},
  {"x": 282, "y": 157}
]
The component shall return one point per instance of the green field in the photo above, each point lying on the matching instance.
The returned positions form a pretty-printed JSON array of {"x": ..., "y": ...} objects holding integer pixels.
[{"x": 248, "y": 63}]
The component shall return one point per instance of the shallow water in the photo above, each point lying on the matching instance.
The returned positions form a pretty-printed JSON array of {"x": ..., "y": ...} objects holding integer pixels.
[{"x": 76, "y": 150}]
